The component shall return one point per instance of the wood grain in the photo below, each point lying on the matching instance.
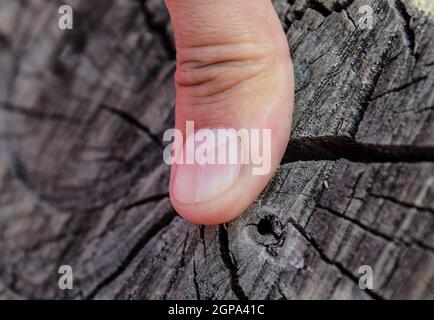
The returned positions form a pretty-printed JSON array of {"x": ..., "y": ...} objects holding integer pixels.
[{"x": 83, "y": 183}]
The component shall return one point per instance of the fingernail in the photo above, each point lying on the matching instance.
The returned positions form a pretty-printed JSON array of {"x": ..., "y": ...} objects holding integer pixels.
[{"x": 211, "y": 164}]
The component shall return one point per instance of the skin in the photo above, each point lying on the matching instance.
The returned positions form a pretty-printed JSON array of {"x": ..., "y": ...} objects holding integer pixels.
[{"x": 233, "y": 71}]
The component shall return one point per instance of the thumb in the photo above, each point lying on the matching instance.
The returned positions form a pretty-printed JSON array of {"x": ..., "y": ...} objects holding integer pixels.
[{"x": 234, "y": 83}]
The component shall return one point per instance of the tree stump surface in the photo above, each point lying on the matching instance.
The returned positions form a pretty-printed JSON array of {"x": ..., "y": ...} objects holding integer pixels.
[{"x": 83, "y": 183}]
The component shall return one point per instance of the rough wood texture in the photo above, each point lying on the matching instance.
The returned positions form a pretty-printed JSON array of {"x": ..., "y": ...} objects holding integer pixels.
[{"x": 82, "y": 180}]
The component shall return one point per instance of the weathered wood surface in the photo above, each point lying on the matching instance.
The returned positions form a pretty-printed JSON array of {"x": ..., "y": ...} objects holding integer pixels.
[{"x": 82, "y": 181}]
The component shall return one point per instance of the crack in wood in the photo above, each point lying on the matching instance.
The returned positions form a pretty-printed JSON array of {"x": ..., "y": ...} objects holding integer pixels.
[
  {"x": 159, "y": 29},
  {"x": 362, "y": 226},
  {"x": 376, "y": 233},
  {"x": 395, "y": 267},
  {"x": 402, "y": 203},
  {"x": 409, "y": 33},
  {"x": 318, "y": 7},
  {"x": 385, "y": 60},
  {"x": 202, "y": 237},
  {"x": 399, "y": 88},
  {"x": 279, "y": 289},
  {"x": 270, "y": 227},
  {"x": 180, "y": 266},
  {"x": 128, "y": 118},
  {"x": 336, "y": 148},
  {"x": 141, "y": 202},
  {"x": 196, "y": 284},
  {"x": 230, "y": 263},
  {"x": 374, "y": 295},
  {"x": 347, "y": 14},
  {"x": 162, "y": 223},
  {"x": 417, "y": 109}
]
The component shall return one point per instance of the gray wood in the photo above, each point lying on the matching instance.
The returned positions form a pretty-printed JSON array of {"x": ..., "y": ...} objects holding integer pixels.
[{"x": 83, "y": 183}]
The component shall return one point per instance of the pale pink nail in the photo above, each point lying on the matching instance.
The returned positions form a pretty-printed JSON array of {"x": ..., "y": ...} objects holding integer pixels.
[{"x": 205, "y": 180}]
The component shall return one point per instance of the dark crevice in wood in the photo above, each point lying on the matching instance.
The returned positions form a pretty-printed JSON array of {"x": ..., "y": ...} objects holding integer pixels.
[
  {"x": 18, "y": 171},
  {"x": 347, "y": 14},
  {"x": 179, "y": 267},
  {"x": 12, "y": 285},
  {"x": 394, "y": 269},
  {"x": 423, "y": 246},
  {"x": 128, "y": 118},
  {"x": 336, "y": 7},
  {"x": 159, "y": 29},
  {"x": 408, "y": 31},
  {"x": 162, "y": 223},
  {"x": 385, "y": 60},
  {"x": 270, "y": 227},
  {"x": 279, "y": 289},
  {"x": 4, "y": 42},
  {"x": 196, "y": 284},
  {"x": 417, "y": 109},
  {"x": 202, "y": 237},
  {"x": 375, "y": 232},
  {"x": 313, "y": 5},
  {"x": 335, "y": 148},
  {"x": 320, "y": 8},
  {"x": 402, "y": 203},
  {"x": 230, "y": 263},
  {"x": 362, "y": 226},
  {"x": 265, "y": 227},
  {"x": 399, "y": 88},
  {"x": 329, "y": 261},
  {"x": 353, "y": 190},
  {"x": 141, "y": 202}
]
